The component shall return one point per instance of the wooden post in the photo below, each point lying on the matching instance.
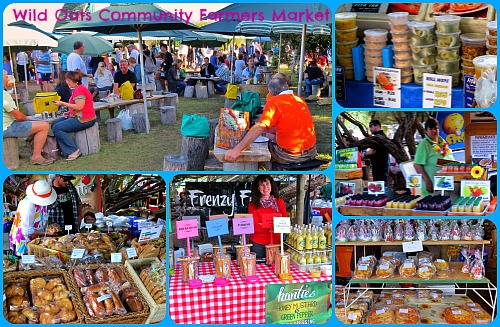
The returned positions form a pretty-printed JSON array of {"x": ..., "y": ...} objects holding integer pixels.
[
  {"x": 87, "y": 140},
  {"x": 29, "y": 106},
  {"x": 171, "y": 99},
  {"x": 213, "y": 125},
  {"x": 228, "y": 103},
  {"x": 175, "y": 162},
  {"x": 201, "y": 91},
  {"x": 168, "y": 115},
  {"x": 210, "y": 87},
  {"x": 189, "y": 91},
  {"x": 139, "y": 122},
  {"x": 301, "y": 185},
  {"x": 195, "y": 149},
  {"x": 114, "y": 130},
  {"x": 11, "y": 152},
  {"x": 316, "y": 90}
]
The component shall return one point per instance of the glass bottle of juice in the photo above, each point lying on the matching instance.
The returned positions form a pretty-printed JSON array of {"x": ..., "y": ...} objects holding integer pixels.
[
  {"x": 316, "y": 257},
  {"x": 300, "y": 242},
  {"x": 324, "y": 257},
  {"x": 314, "y": 240},
  {"x": 309, "y": 259},
  {"x": 302, "y": 260},
  {"x": 321, "y": 240},
  {"x": 309, "y": 240}
]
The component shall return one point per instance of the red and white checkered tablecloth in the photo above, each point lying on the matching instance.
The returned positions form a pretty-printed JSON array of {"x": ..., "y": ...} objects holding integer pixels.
[{"x": 235, "y": 303}]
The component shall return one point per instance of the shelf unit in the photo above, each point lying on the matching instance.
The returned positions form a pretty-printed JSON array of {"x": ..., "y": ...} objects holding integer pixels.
[{"x": 457, "y": 278}]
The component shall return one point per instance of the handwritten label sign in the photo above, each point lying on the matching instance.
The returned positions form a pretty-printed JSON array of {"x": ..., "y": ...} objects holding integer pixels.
[
  {"x": 469, "y": 91},
  {"x": 443, "y": 183},
  {"x": 437, "y": 91},
  {"x": 413, "y": 246},
  {"x": 268, "y": 219},
  {"x": 144, "y": 224},
  {"x": 340, "y": 92},
  {"x": 387, "y": 93},
  {"x": 116, "y": 257},
  {"x": 131, "y": 252},
  {"x": 186, "y": 228},
  {"x": 217, "y": 227},
  {"x": 282, "y": 224},
  {"x": 77, "y": 253},
  {"x": 243, "y": 226},
  {"x": 68, "y": 227},
  {"x": 152, "y": 233},
  {"x": 25, "y": 259}
]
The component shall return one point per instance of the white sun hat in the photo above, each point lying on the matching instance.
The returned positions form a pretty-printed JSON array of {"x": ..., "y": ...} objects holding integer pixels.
[{"x": 41, "y": 193}]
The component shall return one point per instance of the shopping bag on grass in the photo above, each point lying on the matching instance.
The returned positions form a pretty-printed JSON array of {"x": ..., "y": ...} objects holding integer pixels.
[
  {"x": 232, "y": 127},
  {"x": 126, "y": 119}
]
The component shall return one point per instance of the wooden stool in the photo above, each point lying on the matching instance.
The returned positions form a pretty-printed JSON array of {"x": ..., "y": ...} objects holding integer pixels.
[
  {"x": 139, "y": 122},
  {"x": 135, "y": 108},
  {"x": 87, "y": 140},
  {"x": 316, "y": 90},
  {"x": 114, "y": 130},
  {"x": 170, "y": 99},
  {"x": 11, "y": 152},
  {"x": 175, "y": 163},
  {"x": 189, "y": 91},
  {"x": 210, "y": 87},
  {"x": 168, "y": 115},
  {"x": 229, "y": 102},
  {"x": 213, "y": 126},
  {"x": 201, "y": 91},
  {"x": 195, "y": 149}
]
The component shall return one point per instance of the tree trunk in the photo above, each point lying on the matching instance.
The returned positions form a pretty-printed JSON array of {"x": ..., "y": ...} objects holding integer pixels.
[{"x": 376, "y": 141}]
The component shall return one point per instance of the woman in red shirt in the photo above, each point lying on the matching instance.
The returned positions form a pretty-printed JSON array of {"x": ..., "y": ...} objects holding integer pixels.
[
  {"x": 265, "y": 200},
  {"x": 81, "y": 115}
]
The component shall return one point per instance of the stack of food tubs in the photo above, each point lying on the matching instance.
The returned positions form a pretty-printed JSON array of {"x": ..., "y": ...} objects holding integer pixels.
[
  {"x": 448, "y": 46},
  {"x": 398, "y": 21},
  {"x": 345, "y": 40},
  {"x": 491, "y": 35},
  {"x": 473, "y": 45},
  {"x": 375, "y": 41},
  {"x": 423, "y": 48}
]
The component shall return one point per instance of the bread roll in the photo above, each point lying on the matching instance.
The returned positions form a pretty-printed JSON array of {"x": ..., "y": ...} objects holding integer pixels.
[
  {"x": 16, "y": 318},
  {"x": 90, "y": 277},
  {"x": 121, "y": 274},
  {"x": 61, "y": 295},
  {"x": 108, "y": 303},
  {"x": 31, "y": 315},
  {"x": 80, "y": 278},
  {"x": 97, "y": 307},
  {"x": 113, "y": 276},
  {"x": 65, "y": 304},
  {"x": 46, "y": 295},
  {"x": 17, "y": 303},
  {"x": 13, "y": 290},
  {"x": 102, "y": 275},
  {"x": 48, "y": 318},
  {"x": 133, "y": 304},
  {"x": 119, "y": 308},
  {"x": 67, "y": 315}
]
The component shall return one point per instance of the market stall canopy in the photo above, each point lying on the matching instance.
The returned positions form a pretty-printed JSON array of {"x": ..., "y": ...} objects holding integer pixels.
[
  {"x": 255, "y": 28},
  {"x": 199, "y": 39},
  {"x": 151, "y": 34},
  {"x": 16, "y": 35},
  {"x": 94, "y": 45}
]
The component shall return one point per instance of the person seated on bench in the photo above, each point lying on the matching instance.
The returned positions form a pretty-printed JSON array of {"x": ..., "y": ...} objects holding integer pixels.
[
  {"x": 287, "y": 117},
  {"x": 176, "y": 84},
  {"x": 121, "y": 76},
  {"x": 313, "y": 75},
  {"x": 103, "y": 79},
  {"x": 16, "y": 124},
  {"x": 81, "y": 115}
]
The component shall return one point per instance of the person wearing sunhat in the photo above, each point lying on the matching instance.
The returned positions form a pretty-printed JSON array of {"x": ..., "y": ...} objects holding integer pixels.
[
  {"x": 31, "y": 216},
  {"x": 65, "y": 211}
]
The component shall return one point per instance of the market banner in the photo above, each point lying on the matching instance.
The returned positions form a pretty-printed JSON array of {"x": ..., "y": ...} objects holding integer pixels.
[
  {"x": 451, "y": 128},
  {"x": 304, "y": 303}
]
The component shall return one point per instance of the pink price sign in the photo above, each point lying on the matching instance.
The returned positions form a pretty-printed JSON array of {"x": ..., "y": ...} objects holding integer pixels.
[
  {"x": 186, "y": 228},
  {"x": 243, "y": 226}
]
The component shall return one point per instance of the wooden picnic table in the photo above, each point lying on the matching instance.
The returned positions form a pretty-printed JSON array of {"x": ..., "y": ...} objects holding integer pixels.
[
  {"x": 100, "y": 105},
  {"x": 248, "y": 159},
  {"x": 208, "y": 80}
]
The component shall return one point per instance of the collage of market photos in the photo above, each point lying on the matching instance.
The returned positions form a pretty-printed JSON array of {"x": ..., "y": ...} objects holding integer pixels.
[{"x": 168, "y": 163}]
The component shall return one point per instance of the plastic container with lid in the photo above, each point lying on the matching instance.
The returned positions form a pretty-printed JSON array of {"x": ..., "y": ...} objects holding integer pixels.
[
  {"x": 370, "y": 51},
  {"x": 406, "y": 78},
  {"x": 373, "y": 58},
  {"x": 376, "y": 35},
  {"x": 398, "y": 17},
  {"x": 467, "y": 63},
  {"x": 344, "y": 60},
  {"x": 345, "y": 20},
  {"x": 418, "y": 72},
  {"x": 402, "y": 54},
  {"x": 345, "y": 48},
  {"x": 448, "y": 53},
  {"x": 448, "y": 23},
  {"x": 398, "y": 27},
  {"x": 492, "y": 50},
  {"x": 448, "y": 39},
  {"x": 447, "y": 66},
  {"x": 370, "y": 65},
  {"x": 400, "y": 36},
  {"x": 375, "y": 44},
  {"x": 404, "y": 45},
  {"x": 468, "y": 70},
  {"x": 343, "y": 36},
  {"x": 492, "y": 40},
  {"x": 491, "y": 28},
  {"x": 473, "y": 45},
  {"x": 405, "y": 70},
  {"x": 349, "y": 72},
  {"x": 424, "y": 55},
  {"x": 402, "y": 62},
  {"x": 485, "y": 64}
]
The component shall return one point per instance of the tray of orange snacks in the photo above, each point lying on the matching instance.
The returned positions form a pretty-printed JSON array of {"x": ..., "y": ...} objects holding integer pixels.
[
  {"x": 363, "y": 271},
  {"x": 382, "y": 315},
  {"x": 408, "y": 268},
  {"x": 406, "y": 315},
  {"x": 385, "y": 269},
  {"x": 458, "y": 315},
  {"x": 480, "y": 315}
]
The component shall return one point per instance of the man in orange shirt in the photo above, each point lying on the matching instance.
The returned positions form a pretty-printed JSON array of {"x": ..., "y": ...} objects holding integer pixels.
[{"x": 288, "y": 117}]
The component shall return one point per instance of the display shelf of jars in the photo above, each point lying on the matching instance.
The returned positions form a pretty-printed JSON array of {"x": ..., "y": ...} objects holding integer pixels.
[{"x": 307, "y": 260}]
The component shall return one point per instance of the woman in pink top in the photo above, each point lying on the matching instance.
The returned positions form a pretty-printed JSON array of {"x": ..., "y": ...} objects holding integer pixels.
[{"x": 81, "y": 115}]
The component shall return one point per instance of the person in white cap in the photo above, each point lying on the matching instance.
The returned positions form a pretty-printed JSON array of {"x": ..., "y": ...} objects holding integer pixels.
[{"x": 31, "y": 216}]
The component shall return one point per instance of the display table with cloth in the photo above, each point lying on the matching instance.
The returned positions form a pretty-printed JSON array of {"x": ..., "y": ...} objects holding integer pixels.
[
  {"x": 359, "y": 94},
  {"x": 235, "y": 303}
]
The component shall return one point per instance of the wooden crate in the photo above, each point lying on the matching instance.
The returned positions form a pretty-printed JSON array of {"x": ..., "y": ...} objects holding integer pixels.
[
  {"x": 157, "y": 311},
  {"x": 23, "y": 278},
  {"x": 138, "y": 317},
  {"x": 41, "y": 252}
]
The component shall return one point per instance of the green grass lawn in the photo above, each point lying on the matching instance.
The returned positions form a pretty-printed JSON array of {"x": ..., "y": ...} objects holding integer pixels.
[{"x": 145, "y": 152}]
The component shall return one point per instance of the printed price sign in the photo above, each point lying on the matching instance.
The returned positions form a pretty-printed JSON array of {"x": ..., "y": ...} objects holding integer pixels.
[
  {"x": 340, "y": 93},
  {"x": 475, "y": 188},
  {"x": 144, "y": 224},
  {"x": 25, "y": 258},
  {"x": 413, "y": 246},
  {"x": 217, "y": 227},
  {"x": 116, "y": 257},
  {"x": 152, "y": 233},
  {"x": 268, "y": 219},
  {"x": 376, "y": 187},
  {"x": 437, "y": 91},
  {"x": 186, "y": 228},
  {"x": 243, "y": 226},
  {"x": 443, "y": 183},
  {"x": 131, "y": 252},
  {"x": 469, "y": 91},
  {"x": 68, "y": 227},
  {"x": 77, "y": 253},
  {"x": 387, "y": 87},
  {"x": 282, "y": 224},
  {"x": 414, "y": 180}
]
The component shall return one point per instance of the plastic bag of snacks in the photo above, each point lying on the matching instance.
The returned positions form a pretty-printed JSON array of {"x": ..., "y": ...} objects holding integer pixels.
[
  {"x": 352, "y": 233},
  {"x": 433, "y": 234},
  {"x": 478, "y": 231},
  {"x": 408, "y": 268},
  {"x": 376, "y": 231},
  {"x": 362, "y": 271},
  {"x": 398, "y": 231},
  {"x": 341, "y": 232},
  {"x": 364, "y": 233},
  {"x": 409, "y": 233},
  {"x": 480, "y": 315},
  {"x": 456, "y": 234},
  {"x": 477, "y": 268},
  {"x": 436, "y": 295},
  {"x": 385, "y": 269},
  {"x": 466, "y": 265},
  {"x": 382, "y": 315},
  {"x": 426, "y": 270},
  {"x": 424, "y": 256},
  {"x": 442, "y": 268},
  {"x": 466, "y": 233},
  {"x": 388, "y": 233},
  {"x": 421, "y": 231},
  {"x": 445, "y": 231},
  {"x": 458, "y": 315}
]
